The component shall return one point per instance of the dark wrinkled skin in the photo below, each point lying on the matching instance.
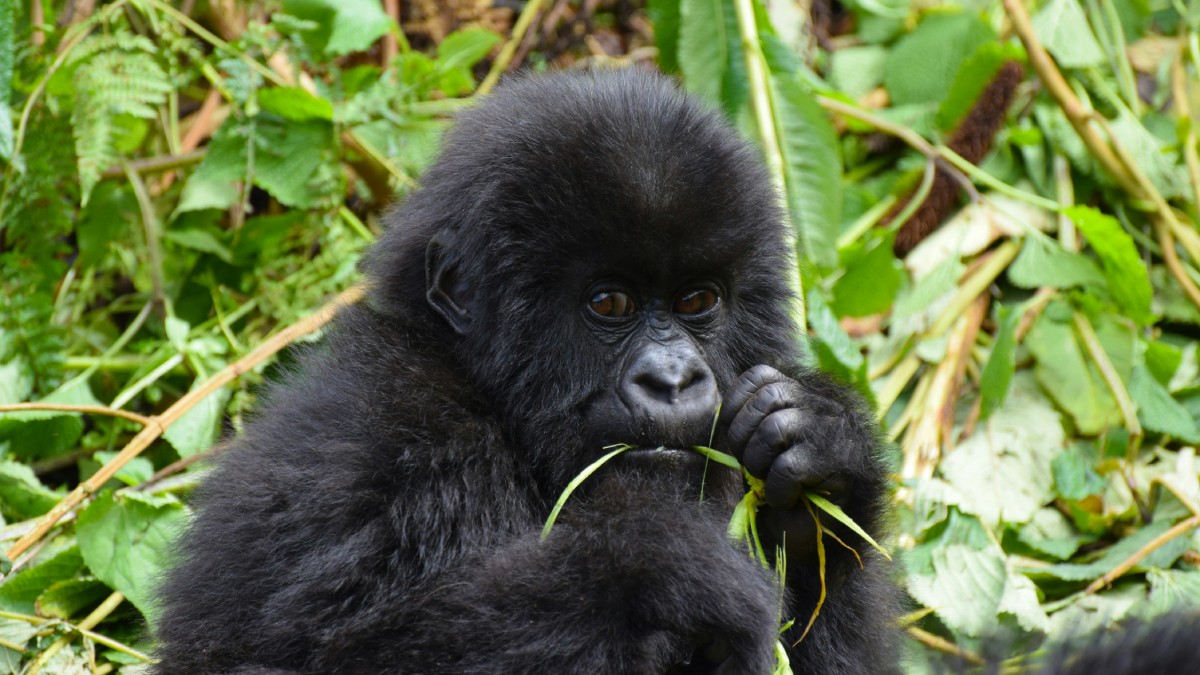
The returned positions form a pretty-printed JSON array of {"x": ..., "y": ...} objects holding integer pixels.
[{"x": 381, "y": 513}]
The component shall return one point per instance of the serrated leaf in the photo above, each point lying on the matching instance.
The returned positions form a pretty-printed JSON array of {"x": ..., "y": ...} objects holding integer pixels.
[
  {"x": 18, "y": 593},
  {"x": 923, "y": 64},
  {"x": 200, "y": 426},
  {"x": 855, "y": 71},
  {"x": 1115, "y": 555},
  {"x": 22, "y": 495},
  {"x": 287, "y": 155},
  {"x": 458, "y": 53},
  {"x": 1160, "y": 165},
  {"x": 970, "y": 587},
  {"x": 343, "y": 26},
  {"x": 1070, "y": 376},
  {"x": 126, "y": 540},
  {"x": 973, "y": 77},
  {"x": 836, "y": 353},
  {"x": 1128, "y": 280},
  {"x": 1044, "y": 262},
  {"x": 63, "y": 599},
  {"x": 709, "y": 52},
  {"x": 812, "y": 169},
  {"x": 1050, "y": 532},
  {"x": 1157, "y": 411},
  {"x": 870, "y": 282},
  {"x": 1017, "y": 445},
  {"x": 1064, "y": 30},
  {"x": 294, "y": 103}
]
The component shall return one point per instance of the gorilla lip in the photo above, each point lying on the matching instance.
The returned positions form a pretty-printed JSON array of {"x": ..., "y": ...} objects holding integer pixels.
[{"x": 676, "y": 456}]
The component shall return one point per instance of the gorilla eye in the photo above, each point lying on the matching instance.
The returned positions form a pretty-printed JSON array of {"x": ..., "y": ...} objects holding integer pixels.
[
  {"x": 696, "y": 302},
  {"x": 612, "y": 304}
]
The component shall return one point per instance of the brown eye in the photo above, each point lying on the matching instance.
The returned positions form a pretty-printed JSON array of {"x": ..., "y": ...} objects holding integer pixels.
[
  {"x": 696, "y": 302},
  {"x": 612, "y": 304}
]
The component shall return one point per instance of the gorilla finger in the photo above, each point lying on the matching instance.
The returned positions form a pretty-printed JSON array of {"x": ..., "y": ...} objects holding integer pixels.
[
  {"x": 791, "y": 473},
  {"x": 744, "y": 389},
  {"x": 772, "y": 398},
  {"x": 776, "y": 433}
]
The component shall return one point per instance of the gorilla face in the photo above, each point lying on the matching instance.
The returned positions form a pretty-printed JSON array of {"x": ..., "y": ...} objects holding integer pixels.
[{"x": 612, "y": 280}]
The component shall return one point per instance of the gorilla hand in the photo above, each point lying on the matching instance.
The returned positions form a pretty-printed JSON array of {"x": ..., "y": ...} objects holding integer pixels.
[{"x": 796, "y": 438}]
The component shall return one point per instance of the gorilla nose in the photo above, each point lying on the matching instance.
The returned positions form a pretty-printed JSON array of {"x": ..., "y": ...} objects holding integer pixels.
[{"x": 672, "y": 384}]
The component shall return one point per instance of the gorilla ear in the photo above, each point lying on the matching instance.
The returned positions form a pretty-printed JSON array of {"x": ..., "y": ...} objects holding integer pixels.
[{"x": 445, "y": 289}]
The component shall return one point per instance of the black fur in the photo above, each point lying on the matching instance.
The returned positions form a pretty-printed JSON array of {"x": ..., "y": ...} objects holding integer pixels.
[{"x": 381, "y": 514}]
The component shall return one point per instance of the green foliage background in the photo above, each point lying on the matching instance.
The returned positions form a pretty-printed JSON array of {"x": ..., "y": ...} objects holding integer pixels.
[{"x": 1035, "y": 361}]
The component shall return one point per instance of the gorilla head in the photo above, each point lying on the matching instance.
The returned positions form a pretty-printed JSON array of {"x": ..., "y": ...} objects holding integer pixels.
[
  {"x": 595, "y": 258},
  {"x": 605, "y": 255}
]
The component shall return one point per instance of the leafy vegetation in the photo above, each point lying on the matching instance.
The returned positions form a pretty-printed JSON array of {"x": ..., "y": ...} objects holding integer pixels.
[{"x": 186, "y": 183}]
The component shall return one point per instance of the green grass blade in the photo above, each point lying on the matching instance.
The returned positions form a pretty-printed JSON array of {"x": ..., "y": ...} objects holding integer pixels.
[
  {"x": 718, "y": 457},
  {"x": 576, "y": 482},
  {"x": 840, "y": 515}
]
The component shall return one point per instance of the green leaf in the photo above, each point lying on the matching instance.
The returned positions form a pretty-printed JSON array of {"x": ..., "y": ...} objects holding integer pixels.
[
  {"x": 22, "y": 495},
  {"x": 287, "y": 155},
  {"x": 1161, "y": 165},
  {"x": 199, "y": 239},
  {"x": 665, "y": 17},
  {"x": 1128, "y": 280},
  {"x": 1044, "y": 262},
  {"x": 836, "y": 353},
  {"x": 19, "y": 593},
  {"x": 812, "y": 169},
  {"x": 1050, "y": 532},
  {"x": 1115, "y": 555},
  {"x": 997, "y": 375},
  {"x": 294, "y": 103},
  {"x": 106, "y": 219},
  {"x": 135, "y": 472},
  {"x": 46, "y": 433},
  {"x": 1157, "y": 411},
  {"x": 127, "y": 539},
  {"x": 709, "y": 52},
  {"x": 924, "y": 63},
  {"x": 7, "y": 24},
  {"x": 970, "y": 587},
  {"x": 200, "y": 426},
  {"x": 63, "y": 599},
  {"x": 1017, "y": 445},
  {"x": 14, "y": 631},
  {"x": 202, "y": 192},
  {"x": 1070, "y": 376},
  {"x": 1063, "y": 29},
  {"x": 457, "y": 54},
  {"x": 972, "y": 78},
  {"x": 344, "y": 26},
  {"x": 855, "y": 71},
  {"x": 870, "y": 283},
  {"x": 1075, "y": 477}
]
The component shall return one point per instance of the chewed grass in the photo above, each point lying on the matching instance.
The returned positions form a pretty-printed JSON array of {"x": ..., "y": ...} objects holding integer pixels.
[{"x": 743, "y": 528}]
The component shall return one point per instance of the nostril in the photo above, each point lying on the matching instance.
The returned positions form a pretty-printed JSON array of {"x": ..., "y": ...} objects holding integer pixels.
[
  {"x": 659, "y": 386},
  {"x": 668, "y": 386}
]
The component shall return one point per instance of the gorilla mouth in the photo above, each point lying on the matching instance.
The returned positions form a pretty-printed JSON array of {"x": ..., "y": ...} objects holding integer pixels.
[{"x": 664, "y": 456}]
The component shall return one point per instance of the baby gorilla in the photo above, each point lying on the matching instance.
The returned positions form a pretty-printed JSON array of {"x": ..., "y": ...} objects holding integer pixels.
[{"x": 595, "y": 258}]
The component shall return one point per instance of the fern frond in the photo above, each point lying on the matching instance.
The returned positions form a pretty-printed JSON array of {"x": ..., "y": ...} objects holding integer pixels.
[{"x": 110, "y": 84}]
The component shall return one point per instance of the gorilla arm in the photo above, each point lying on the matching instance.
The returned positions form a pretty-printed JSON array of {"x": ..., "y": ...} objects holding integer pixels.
[{"x": 609, "y": 590}]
